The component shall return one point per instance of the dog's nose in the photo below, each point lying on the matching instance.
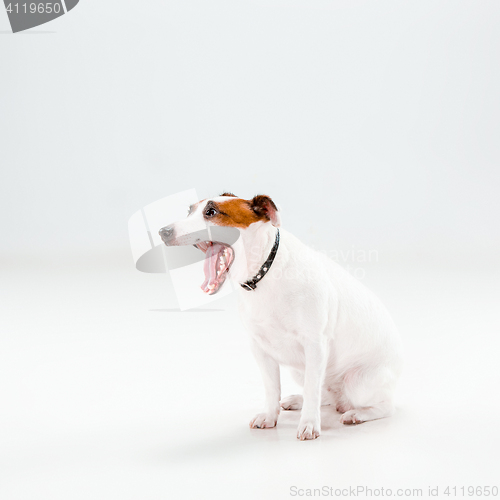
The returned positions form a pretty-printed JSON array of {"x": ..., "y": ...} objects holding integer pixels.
[{"x": 166, "y": 232}]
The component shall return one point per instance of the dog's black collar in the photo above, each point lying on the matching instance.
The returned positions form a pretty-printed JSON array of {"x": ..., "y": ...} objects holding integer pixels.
[{"x": 251, "y": 284}]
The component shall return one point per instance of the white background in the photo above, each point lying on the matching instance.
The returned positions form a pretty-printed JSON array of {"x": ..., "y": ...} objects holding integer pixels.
[{"x": 374, "y": 125}]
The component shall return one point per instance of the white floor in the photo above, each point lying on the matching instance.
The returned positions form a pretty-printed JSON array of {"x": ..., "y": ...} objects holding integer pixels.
[{"x": 107, "y": 392}]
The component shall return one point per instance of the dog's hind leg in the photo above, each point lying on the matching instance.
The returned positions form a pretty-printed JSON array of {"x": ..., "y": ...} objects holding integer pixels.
[
  {"x": 333, "y": 395},
  {"x": 378, "y": 410},
  {"x": 370, "y": 394},
  {"x": 295, "y": 401}
]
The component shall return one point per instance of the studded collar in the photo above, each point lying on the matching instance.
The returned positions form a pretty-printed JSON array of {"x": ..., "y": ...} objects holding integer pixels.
[{"x": 251, "y": 284}]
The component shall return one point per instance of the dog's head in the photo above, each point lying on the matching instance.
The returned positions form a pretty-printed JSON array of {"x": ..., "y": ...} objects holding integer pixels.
[{"x": 213, "y": 225}]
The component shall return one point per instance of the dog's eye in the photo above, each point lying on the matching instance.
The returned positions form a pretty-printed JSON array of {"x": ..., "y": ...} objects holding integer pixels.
[{"x": 210, "y": 212}]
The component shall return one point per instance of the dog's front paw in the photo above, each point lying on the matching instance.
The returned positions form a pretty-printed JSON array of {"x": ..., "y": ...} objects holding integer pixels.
[
  {"x": 263, "y": 421},
  {"x": 308, "y": 430}
]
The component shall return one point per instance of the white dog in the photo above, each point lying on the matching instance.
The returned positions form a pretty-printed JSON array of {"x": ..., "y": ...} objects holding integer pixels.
[{"x": 302, "y": 310}]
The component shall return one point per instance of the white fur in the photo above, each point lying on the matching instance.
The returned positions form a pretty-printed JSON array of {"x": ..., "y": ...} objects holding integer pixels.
[{"x": 312, "y": 316}]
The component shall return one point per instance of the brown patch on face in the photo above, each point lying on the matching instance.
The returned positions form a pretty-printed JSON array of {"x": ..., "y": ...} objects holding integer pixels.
[
  {"x": 235, "y": 213},
  {"x": 228, "y": 194}
]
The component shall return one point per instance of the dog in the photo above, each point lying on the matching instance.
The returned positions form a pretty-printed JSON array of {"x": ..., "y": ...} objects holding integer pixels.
[{"x": 302, "y": 310}]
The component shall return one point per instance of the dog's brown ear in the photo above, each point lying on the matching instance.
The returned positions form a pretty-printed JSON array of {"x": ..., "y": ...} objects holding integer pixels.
[
  {"x": 265, "y": 207},
  {"x": 228, "y": 194}
]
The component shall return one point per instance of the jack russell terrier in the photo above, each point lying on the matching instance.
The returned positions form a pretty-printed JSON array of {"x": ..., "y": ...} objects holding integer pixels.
[{"x": 302, "y": 310}]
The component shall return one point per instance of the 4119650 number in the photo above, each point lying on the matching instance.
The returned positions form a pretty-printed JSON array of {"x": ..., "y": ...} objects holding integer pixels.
[
  {"x": 33, "y": 8},
  {"x": 471, "y": 491}
]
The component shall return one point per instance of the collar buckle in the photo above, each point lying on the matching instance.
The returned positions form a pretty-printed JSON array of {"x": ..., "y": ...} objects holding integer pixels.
[
  {"x": 252, "y": 283},
  {"x": 248, "y": 287}
]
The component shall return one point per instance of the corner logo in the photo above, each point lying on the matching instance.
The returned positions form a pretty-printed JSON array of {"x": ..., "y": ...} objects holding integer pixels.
[{"x": 26, "y": 15}]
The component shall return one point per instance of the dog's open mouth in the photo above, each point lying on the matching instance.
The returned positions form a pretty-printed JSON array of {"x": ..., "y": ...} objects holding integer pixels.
[{"x": 218, "y": 260}]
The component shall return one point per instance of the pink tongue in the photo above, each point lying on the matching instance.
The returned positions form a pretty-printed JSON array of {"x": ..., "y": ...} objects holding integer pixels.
[{"x": 213, "y": 276}]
